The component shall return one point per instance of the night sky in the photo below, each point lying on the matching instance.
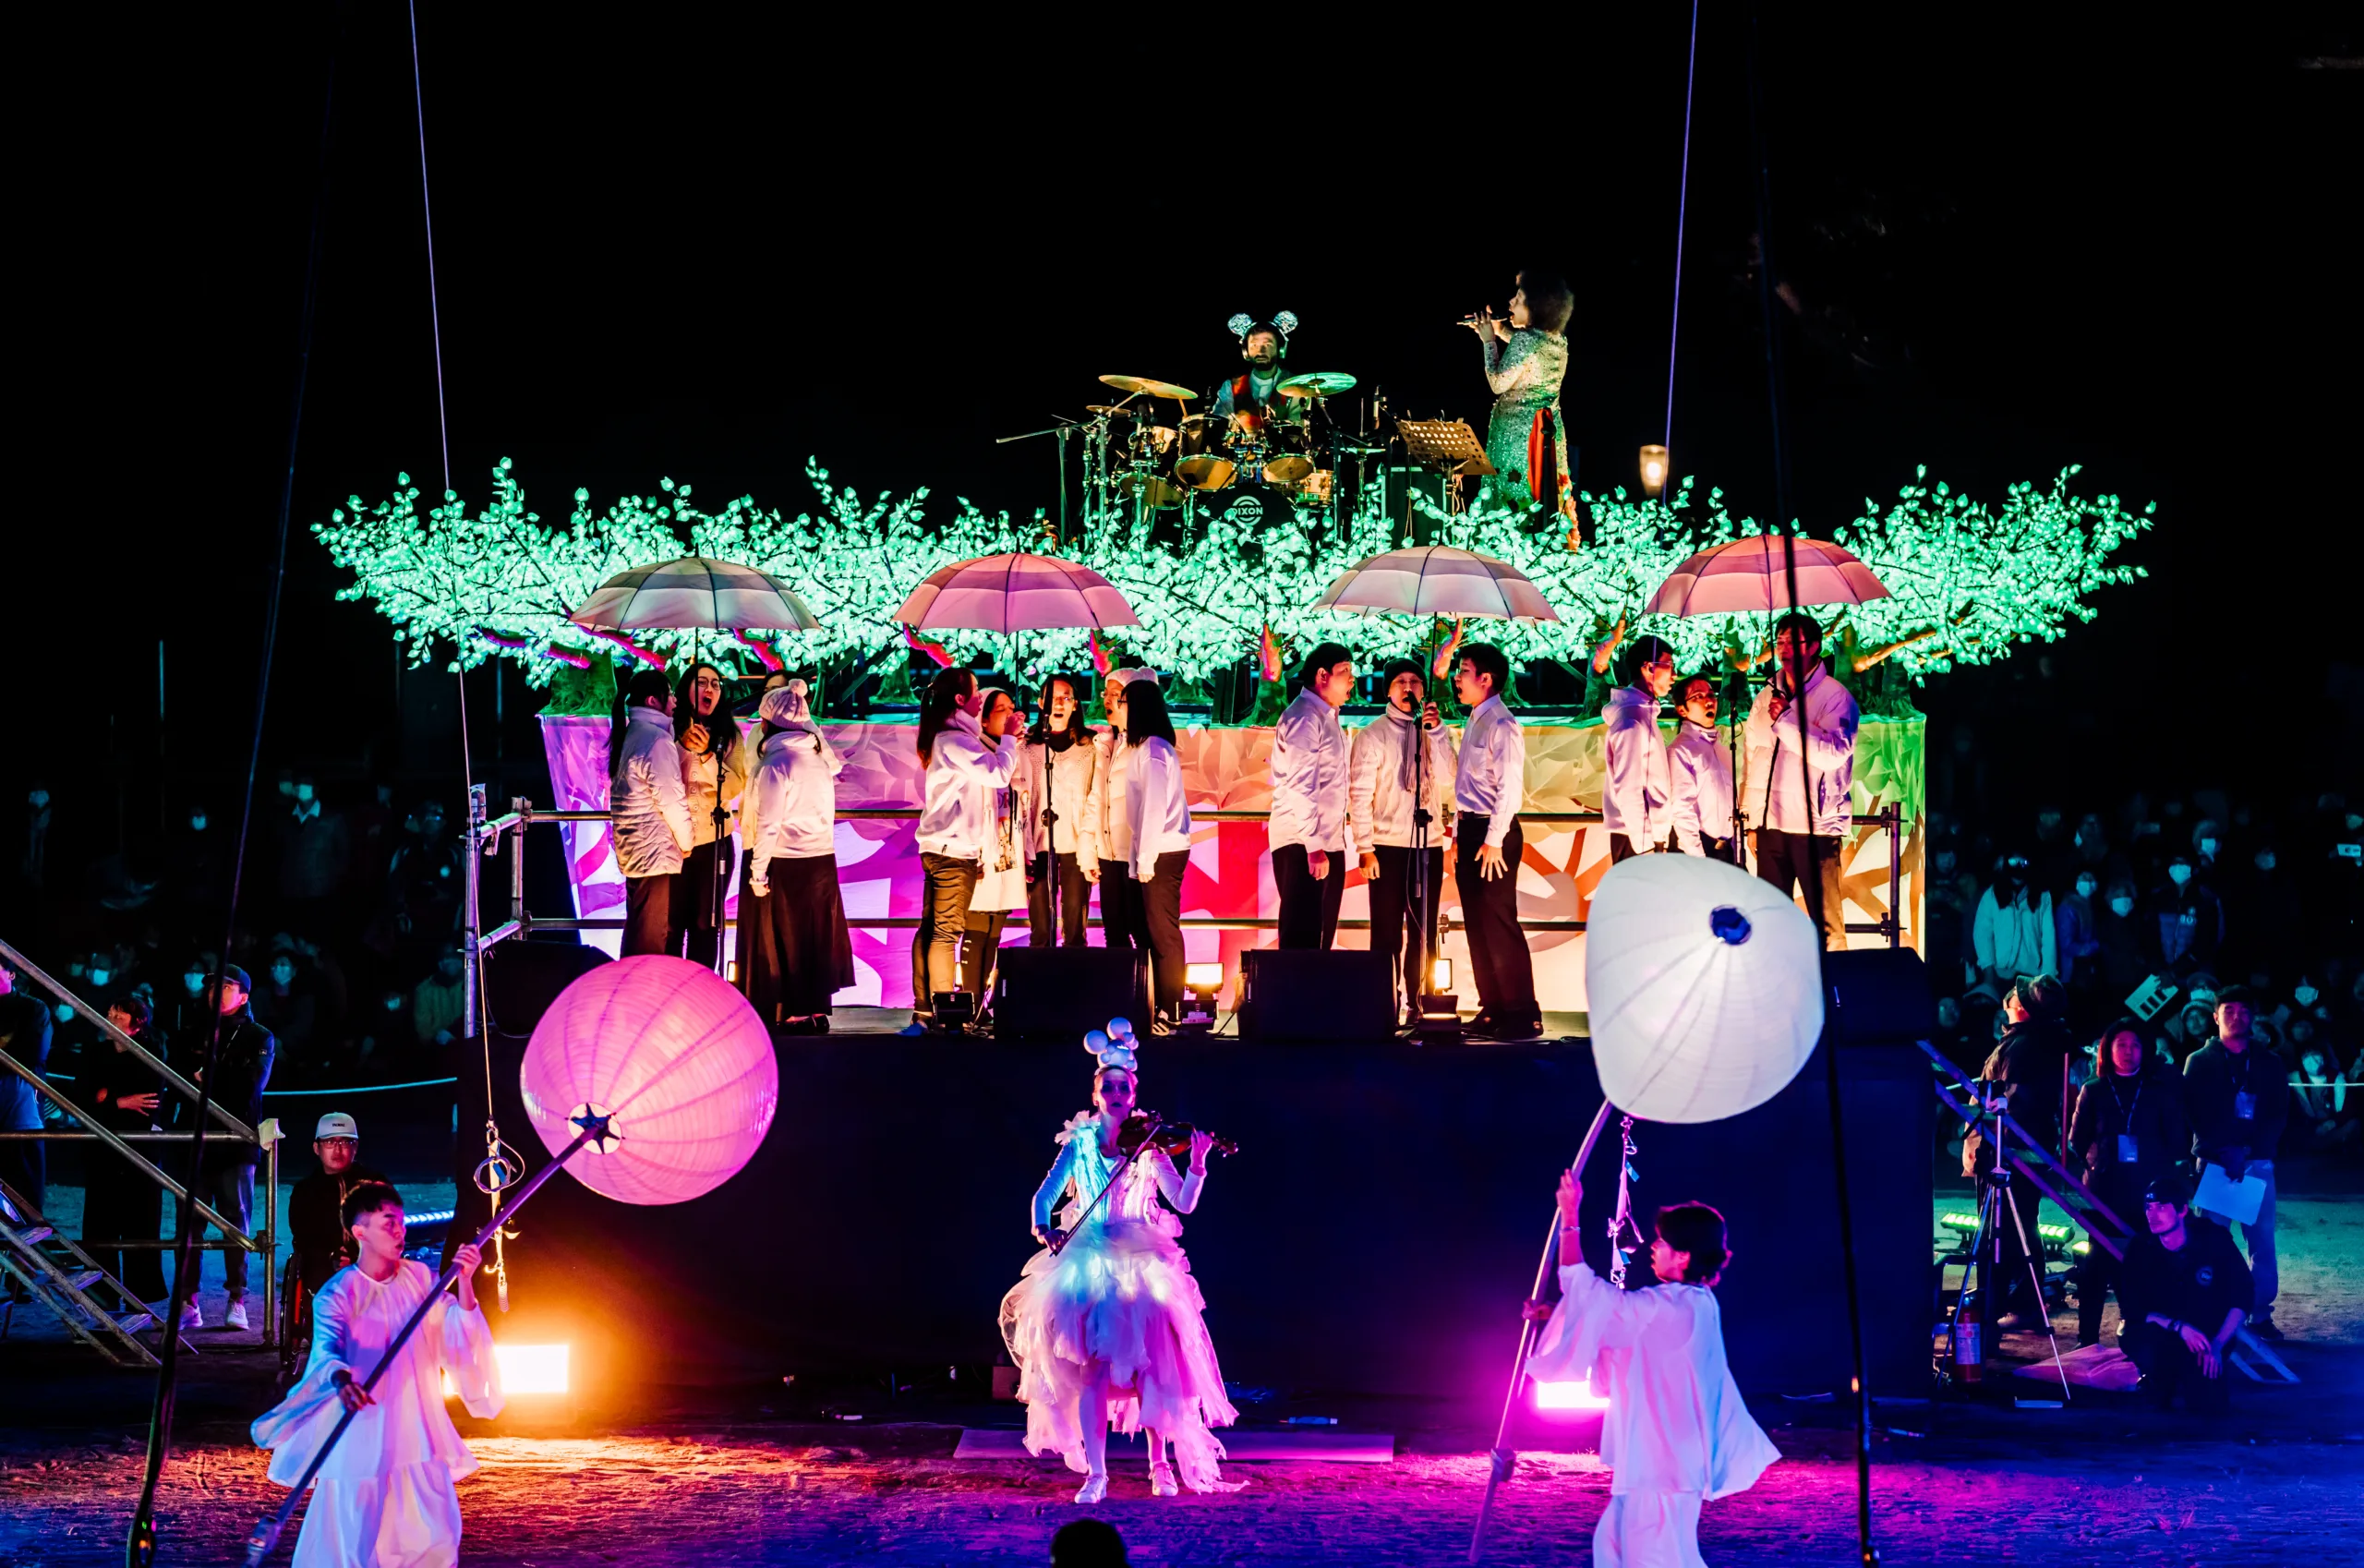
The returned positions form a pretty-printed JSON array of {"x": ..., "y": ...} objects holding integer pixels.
[{"x": 686, "y": 249}]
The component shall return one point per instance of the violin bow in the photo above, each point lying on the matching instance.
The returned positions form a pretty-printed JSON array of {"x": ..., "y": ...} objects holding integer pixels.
[{"x": 1156, "y": 1121}]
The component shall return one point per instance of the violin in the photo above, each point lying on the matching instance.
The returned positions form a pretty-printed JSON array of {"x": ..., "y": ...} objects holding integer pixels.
[{"x": 1147, "y": 1130}]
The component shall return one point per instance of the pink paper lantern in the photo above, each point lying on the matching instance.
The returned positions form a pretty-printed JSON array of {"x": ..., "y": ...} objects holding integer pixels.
[{"x": 675, "y": 1055}]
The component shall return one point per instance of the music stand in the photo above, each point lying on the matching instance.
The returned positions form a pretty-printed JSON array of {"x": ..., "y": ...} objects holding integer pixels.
[{"x": 1447, "y": 444}]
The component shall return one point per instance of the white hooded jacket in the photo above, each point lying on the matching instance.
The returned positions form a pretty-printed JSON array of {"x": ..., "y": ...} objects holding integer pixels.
[{"x": 651, "y": 809}]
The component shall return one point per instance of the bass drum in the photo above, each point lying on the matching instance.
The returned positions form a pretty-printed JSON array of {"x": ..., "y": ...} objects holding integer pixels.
[{"x": 1205, "y": 463}]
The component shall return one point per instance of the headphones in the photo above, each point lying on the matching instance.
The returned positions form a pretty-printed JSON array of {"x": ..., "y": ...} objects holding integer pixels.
[{"x": 1244, "y": 325}]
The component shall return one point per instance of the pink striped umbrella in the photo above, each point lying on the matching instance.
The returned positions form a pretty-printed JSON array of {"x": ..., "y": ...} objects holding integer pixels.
[
  {"x": 1436, "y": 580},
  {"x": 1015, "y": 593},
  {"x": 1751, "y": 575}
]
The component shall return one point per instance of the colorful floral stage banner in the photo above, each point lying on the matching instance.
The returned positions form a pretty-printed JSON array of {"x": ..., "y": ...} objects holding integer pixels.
[{"x": 1230, "y": 876}]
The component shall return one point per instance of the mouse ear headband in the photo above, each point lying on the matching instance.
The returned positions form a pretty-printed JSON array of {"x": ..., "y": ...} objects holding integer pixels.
[
  {"x": 1112, "y": 1047},
  {"x": 1242, "y": 324}
]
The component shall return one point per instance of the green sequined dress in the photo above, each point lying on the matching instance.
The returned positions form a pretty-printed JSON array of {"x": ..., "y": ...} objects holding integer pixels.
[{"x": 1526, "y": 373}]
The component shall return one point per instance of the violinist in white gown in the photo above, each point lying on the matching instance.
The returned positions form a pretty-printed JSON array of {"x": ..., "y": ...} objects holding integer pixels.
[
  {"x": 385, "y": 1497},
  {"x": 1676, "y": 1432}
]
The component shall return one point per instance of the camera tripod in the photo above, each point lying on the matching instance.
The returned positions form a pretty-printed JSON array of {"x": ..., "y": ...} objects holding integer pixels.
[{"x": 1994, "y": 1204}]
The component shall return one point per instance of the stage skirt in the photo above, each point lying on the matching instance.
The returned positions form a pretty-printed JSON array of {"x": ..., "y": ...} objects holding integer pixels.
[
  {"x": 794, "y": 954},
  {"x": 1121, "y": 1294}
]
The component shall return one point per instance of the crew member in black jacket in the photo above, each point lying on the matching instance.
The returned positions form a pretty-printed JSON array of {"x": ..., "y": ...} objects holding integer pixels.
[
  {"x": 2237, "y": 1093},
  {"x": 2030, "y": 1066},
  {"x": 2185, "y": 1293},
  {"x": 119, "y": 1201},
  {"x": 241, "y": 1071},
  {"x": 2129, "y": 1132}
]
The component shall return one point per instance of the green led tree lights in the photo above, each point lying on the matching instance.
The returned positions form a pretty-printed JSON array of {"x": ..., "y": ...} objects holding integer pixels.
[{"x": 498, "y": 581}]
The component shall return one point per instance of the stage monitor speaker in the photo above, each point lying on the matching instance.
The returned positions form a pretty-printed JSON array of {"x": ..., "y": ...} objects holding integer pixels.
[
  {"x": 1046, "y": 993},
  {"x": 1347, "y": 993},
  {"x": 1877, "y": 997},
  {"x": 523, "y": 978}
]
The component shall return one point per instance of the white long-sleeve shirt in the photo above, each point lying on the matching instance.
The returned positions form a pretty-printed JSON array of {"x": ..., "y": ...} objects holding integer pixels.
[
  {"x": 1636, "y": 791},
  {"x": 1701, "y": 771},
  {"x": 963, "y": 772},
  {"x": 1491, "y": 780},
  {"x": 1308, "y": 766},
  {"x": 1378, "y": 781},
  {"x": 793, "y": 804},
  {"x": 1069, "y": 777},
  {"x": 651, "y": 812},
  {"x": 1676, "y": 1421},
  {"x": 1105, "y": 811},
  {"x": 1830, "y": 721},
  {"x": 2017, "y": 939},
  {"x": 1156, "y": 803}
]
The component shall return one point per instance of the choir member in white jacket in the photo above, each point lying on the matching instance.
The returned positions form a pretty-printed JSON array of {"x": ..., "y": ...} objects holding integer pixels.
[
  {"x": 1056, "y": 776},
  {"x": 1110, "y": 847},
  {"x": 1159, "y": 808},
  {"x": 1307, "y": 832},
  {"x": 794, "y": 951},
  {"x": 1634, "y": 789},
  {"x": 1383, "y": 768},
  {"x": 649, "y": 810},
  {"x": 1802, "y": 817},
  {"x": 1699, "y": 766},
  {"x": 965, "y": 772},
  {"x": 1676, "y": 1432},
  {"x": 384, "y": 1499}
]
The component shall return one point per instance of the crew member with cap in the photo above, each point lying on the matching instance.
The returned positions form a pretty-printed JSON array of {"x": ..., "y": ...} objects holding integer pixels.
[
  {"x": 316, "y": 1204},
  {"x": 1386, "y": 778},
  {"x": 2185, "y": 1294},
  {"x": 1490, "y": 785},
  {"x": 1309, "y": 823},
  {"x": 242, "y": 1069},
  {"x": 1636, "y": 791}
]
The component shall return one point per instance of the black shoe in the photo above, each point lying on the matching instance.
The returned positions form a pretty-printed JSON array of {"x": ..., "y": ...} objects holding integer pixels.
[
  {"x": 1510, "y": 1030},
  {"x": 2263, "y": 1328}
]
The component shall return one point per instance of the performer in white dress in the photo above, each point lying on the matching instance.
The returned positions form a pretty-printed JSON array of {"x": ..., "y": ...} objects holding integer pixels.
[
  {"x": 385, "y": 1498},
  {"x": 1107, "y": 1331},
  {"x": 1676, "y": 1432}
]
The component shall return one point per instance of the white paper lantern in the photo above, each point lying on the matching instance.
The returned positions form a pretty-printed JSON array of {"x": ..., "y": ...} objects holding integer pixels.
[
  {"x": 1706, "y": 986},
  {"x": 676, "y": 1056}
]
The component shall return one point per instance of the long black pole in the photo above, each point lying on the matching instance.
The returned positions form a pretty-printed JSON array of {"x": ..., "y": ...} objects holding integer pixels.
[
  {"x": 140, "y": 1546},
  {"x": 267, "y": 1531},
  {"x": 1783, "y": 517}
]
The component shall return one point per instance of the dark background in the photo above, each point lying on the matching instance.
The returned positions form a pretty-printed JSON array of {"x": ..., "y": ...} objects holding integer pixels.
[{"x": 670, "y": 246}]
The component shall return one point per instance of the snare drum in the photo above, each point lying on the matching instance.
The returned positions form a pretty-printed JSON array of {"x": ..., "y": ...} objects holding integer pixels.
[{"x": 1206, "y": 463}]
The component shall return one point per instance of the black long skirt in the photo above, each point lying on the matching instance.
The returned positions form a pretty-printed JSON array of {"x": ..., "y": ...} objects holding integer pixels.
[{"x": 794, "y": 954}]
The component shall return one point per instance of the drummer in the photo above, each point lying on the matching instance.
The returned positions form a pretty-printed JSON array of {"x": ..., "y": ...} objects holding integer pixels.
[{"x": 1265, "y": 347}]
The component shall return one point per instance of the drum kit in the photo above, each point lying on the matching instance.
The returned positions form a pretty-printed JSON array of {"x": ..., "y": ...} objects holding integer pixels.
[{"x": 1151, "y": 451}]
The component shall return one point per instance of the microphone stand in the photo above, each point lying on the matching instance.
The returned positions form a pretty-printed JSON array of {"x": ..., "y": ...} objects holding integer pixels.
[{"x": 1060, "y": 431}]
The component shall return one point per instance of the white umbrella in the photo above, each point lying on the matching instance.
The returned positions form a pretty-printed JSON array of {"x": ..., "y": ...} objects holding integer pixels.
[
  {"x": 1436, "y": 580},
  {"x": 694, "y": 592},
  {"x": 1753, "y": 574},
  {"x": 1015, "y": 593},
  {"x": 1706, "y": 988}
]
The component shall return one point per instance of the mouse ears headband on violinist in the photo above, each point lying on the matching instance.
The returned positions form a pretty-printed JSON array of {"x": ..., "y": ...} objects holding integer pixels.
[
  {"x": 1114, "y": 1047},
  {"x": 1283, "y": 324}
]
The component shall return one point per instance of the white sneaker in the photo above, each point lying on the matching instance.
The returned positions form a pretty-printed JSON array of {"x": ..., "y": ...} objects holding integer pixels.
[
  {"x": 1162, "y": 1482},
  {"x": 237, "y": 1316},
  {"x": 1094, "y": 1488},
  {"x": 191, "y": 1316}
]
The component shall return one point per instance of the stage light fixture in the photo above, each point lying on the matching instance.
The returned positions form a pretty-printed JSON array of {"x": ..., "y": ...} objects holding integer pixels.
[
  {"x": 955, "y": 1010},
  {"x": 527, "y": 1368},
  {"x": 1440, "y": 976},
  {"x": 1570, "y": 1396},
  {"x": 1201, "y": 982},
  {"x": 1655, "y": 464}
]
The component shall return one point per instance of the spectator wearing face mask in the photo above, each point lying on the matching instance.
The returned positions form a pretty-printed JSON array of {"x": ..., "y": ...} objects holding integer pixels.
[
  {"x": 284, "y": 1005},
  {"x": 2323, "y": 1109},
  {"x": 315, "y": 855},
  {"x": 2268, "y": 935},
  {"x": 193, "y": 873},
  {"x": 2013, "y": 933},
  {"x": 2189, "y": 918},
  {"x": 2076, "y": 919},
  {"x": 438, "y": 1002},
  {"x": 2124, "y": 957}
]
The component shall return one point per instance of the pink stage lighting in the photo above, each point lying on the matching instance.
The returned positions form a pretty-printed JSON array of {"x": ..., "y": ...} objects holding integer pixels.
[
  {"x": 1569, "y": 1397},
  {"x": 675, "y": 1055}
]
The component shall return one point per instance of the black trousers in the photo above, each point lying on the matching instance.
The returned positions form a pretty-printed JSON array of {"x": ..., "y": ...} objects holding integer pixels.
[
  {"x": 1160, "y": 902},
  {"x": 1717, "y": 848},
  {"x": 1811, "y": 864},
  {"x": 694, "y": 918},
  {"x": 1308, "y": 909},
  {"x": 647, "y": 913},
  {"x": 1120, "y": 907},
  {"x": 1392, "y": 930},
  {"x": 1490, "y": 913},
  {"x": 2096, "y": 1272},
  {"x": 2169, "y": 1367},
  {"x": 1063, "y": 873},
  {"x": 1622, "y": 848},
  {"x": 121, "y": 1204},
  {"x": 25, "y": 1166},
  {"x": 944, "y": 921}
]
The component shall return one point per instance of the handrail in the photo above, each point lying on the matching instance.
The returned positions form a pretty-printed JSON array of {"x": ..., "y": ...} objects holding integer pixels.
[{"x": 1971, "y": 1117}]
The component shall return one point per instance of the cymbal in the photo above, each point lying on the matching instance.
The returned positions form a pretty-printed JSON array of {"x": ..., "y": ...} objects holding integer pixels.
[
  {"x": 1316, "y": 384},
  {"x": 1137, "y": 384},
  {"x": 1116, "y": 410}
]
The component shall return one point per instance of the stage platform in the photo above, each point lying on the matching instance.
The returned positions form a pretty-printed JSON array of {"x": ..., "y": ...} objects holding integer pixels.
[{"x": 891, "y": 1021}]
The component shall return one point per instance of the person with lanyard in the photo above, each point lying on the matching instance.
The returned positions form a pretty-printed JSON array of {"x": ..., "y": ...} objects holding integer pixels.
[
  {"x": 2236, "y": 1093},
  {"x": 2184, "y": 1296},
  {"x": 965, "y": 772},
  {"x": 713, "y": 779},
  {"x": 1699, "y": 774},
  {"x": 1387, "y": 779},
  {"x": 1636, "y": 791},
  {"x": 1309, "y": 823},
  {"x": 1489, "y": 785},
  {"x": 1056, "y": 774},
  {"x": 795, "y": 953},
  {"x": 1801, "y": 841},
  {"x": 2128, "y": 1130}
]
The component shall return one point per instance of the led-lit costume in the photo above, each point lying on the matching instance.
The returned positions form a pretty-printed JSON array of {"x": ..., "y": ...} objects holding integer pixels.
[
  {"x": 1526, "y": 373},
  {"x": 1120, "y": 1293}
]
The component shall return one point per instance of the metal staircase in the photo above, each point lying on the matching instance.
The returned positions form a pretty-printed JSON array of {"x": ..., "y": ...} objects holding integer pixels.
[{"x": 69, "y": 1281}]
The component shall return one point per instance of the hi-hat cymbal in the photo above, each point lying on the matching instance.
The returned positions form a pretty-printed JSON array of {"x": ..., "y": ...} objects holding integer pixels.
[
  {"x": 1137, "y": 384},
  {"x": 1315, "y": 383},
  {"x": 1116, "y": 410}
]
